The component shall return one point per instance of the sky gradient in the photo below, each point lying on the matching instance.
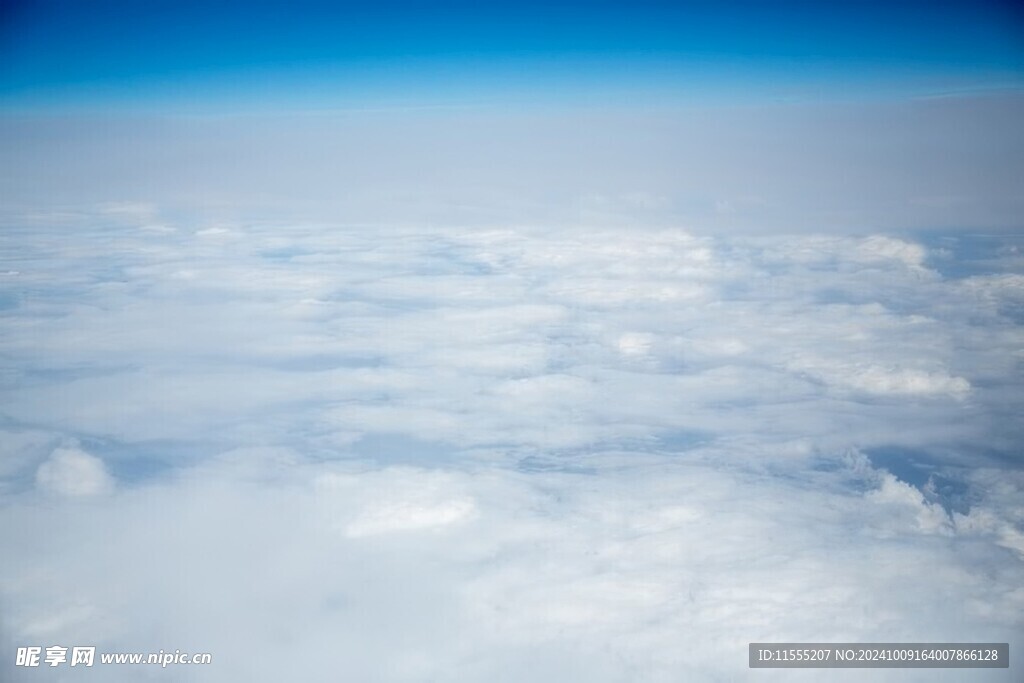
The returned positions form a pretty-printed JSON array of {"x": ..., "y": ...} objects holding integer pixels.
[
  {"x": 509, "y": 343},
  {"x": 308, "y": 55}
]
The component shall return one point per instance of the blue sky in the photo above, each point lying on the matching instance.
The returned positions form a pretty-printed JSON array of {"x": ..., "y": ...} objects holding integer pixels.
[{"x": 336, "y": 54}]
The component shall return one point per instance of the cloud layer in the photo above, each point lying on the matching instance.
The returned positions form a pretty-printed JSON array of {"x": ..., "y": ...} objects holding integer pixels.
[{"x": 430, "y": 453}]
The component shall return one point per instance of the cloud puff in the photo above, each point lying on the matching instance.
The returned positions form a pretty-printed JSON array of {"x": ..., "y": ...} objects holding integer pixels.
[
  {"x": 879, "y": 380},
  {"x": 930, "y": 517},
  {"x": 399, "y": 501},
  {"x": 73, "y": 472},
  {"x": 879, "y": 247}
]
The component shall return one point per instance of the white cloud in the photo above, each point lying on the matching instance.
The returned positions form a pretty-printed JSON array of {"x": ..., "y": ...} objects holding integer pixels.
[
  {"x": 396, "y": 501},
  {"x": 881, "y": 247},
  {"x": 635, "y": 343},
  {"x": 72, "y": 472},
  {"x": 930, "y": 517},
  {"x": 874, "y": 379}
]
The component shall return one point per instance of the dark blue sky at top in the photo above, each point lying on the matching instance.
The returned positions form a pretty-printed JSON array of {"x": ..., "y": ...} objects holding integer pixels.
[{"x": 81, "y": 50}]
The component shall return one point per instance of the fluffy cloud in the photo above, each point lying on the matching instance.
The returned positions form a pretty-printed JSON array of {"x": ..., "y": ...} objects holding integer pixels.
[
  {"x": 73, "y": 472},
  {"x": 396, "y": 501}
]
